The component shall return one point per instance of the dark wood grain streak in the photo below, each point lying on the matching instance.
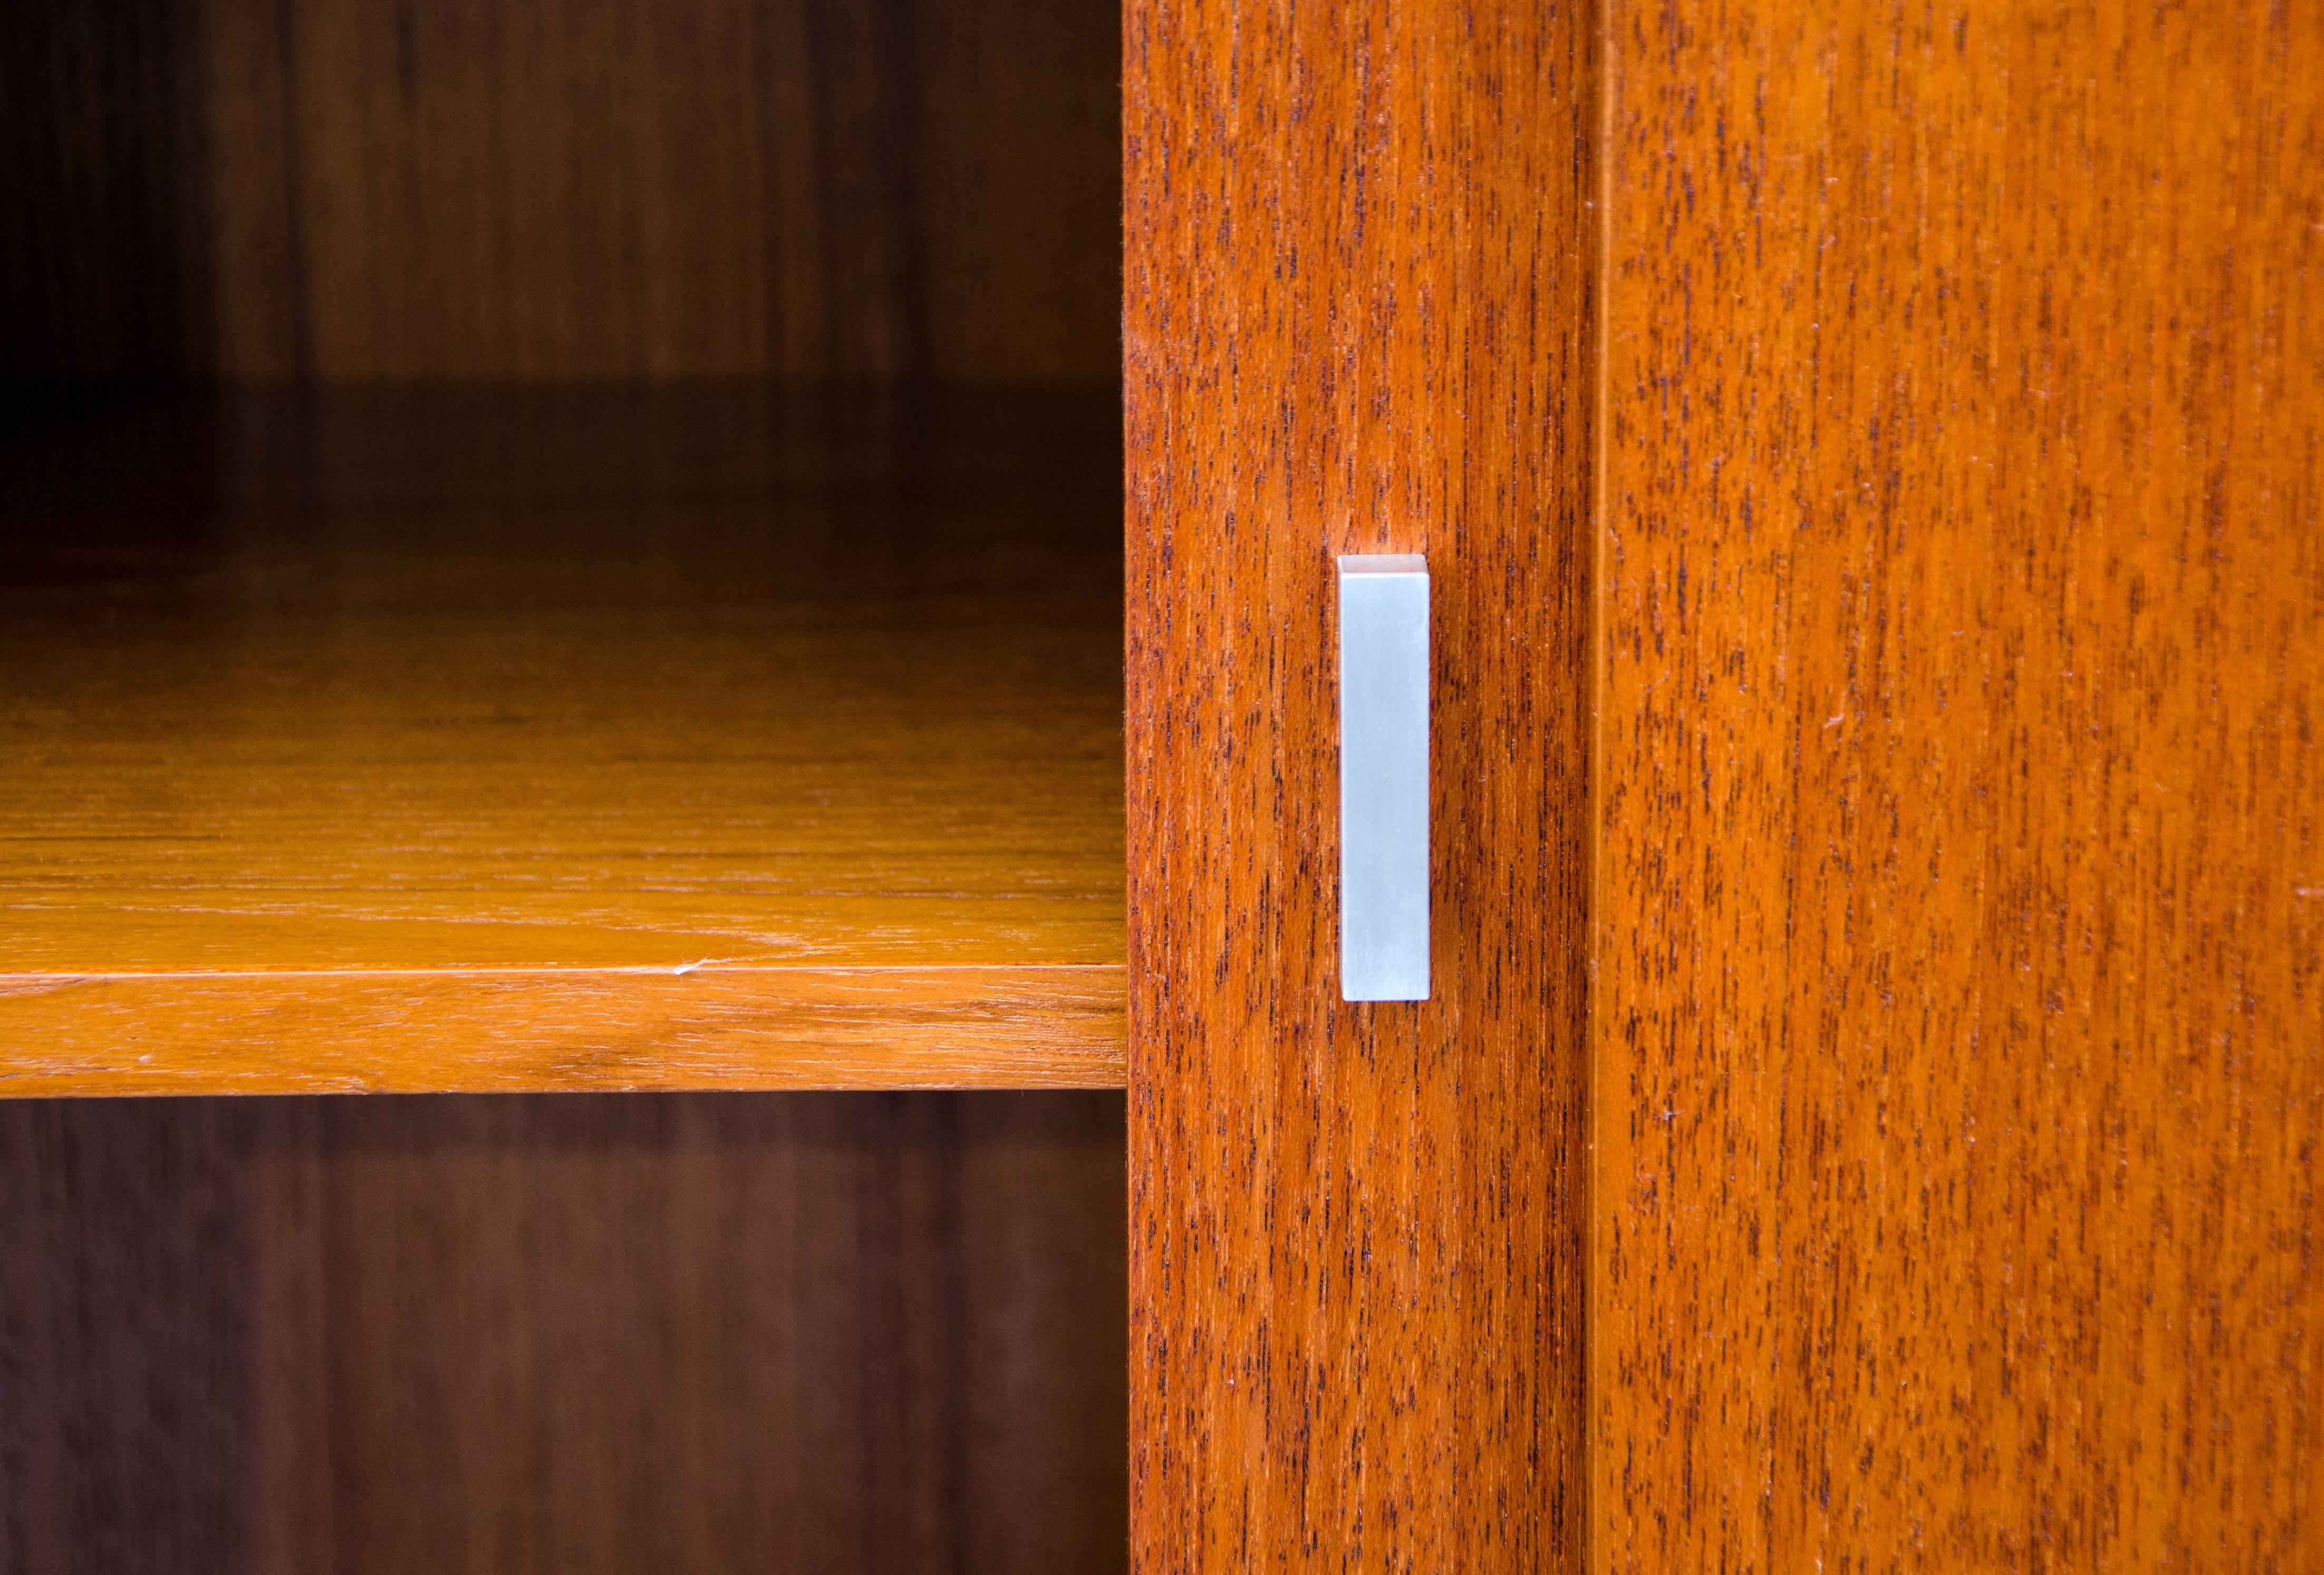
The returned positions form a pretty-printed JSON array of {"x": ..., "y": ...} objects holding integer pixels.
[
  {"x": 778, "y": 1333},
  {"x": 1358, "y": 317},
  {"x": 1959, "y": 1030},
  {"x": 360, "y": 190}
]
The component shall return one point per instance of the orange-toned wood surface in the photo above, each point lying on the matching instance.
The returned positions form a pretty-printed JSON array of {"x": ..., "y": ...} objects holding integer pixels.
[
  {"x": 475, "y": 741},
  {"x": 1959, "y": 1028},
  {"x": 496, "y": 1030},
  {"x": 352, "y": 190},
  {"x": 1358, "y": 317},
  {"x": 873, "y": 1333}
]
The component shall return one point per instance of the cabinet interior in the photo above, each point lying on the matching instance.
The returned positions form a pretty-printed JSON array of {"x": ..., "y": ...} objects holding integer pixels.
[{"x": 560, "y": 593}]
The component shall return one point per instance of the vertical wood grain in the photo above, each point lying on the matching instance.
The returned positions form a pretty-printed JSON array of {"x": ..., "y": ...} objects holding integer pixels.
[
  {"x": 559, "y": 190},
  {"x": 1357, "y": 317},
  {"x": 1959, "y": 1042},
  {"x": 261, "y": 303},
  {"x": 878, "y": 1332},
  {"x": 125, "y": 1348},
  {"x": 620, "y": 191}
]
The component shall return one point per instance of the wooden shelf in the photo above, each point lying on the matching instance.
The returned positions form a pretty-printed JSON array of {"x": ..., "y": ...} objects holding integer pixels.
[{"x": 500, "y": 741}]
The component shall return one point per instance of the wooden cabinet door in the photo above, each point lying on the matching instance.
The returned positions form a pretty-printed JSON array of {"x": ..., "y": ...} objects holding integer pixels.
[
  {"x": 1959, "y": 1042},
  {"x": 1871, "y": 463},
  {"x": 1357, "y": 318}
]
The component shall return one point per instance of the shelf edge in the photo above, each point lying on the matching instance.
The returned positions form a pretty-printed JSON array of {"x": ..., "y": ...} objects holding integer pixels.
[{"x": 539, "y": 1030}]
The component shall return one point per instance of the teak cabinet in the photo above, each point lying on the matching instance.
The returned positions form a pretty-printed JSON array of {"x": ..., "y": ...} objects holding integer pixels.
[{"x": 560, "y": 617}]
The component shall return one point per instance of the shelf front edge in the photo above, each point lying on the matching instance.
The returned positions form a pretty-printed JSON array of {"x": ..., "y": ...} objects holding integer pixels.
[{"x": 546, "y": 1029}]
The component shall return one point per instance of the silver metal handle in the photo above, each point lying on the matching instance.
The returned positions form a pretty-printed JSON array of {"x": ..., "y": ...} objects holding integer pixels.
[{"x": 1383, "y": 777}]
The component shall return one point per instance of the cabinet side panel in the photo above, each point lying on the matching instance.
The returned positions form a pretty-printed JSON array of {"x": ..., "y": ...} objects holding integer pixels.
[
  {"x": 1358, "y": 318},
  {"x": 1960, "y": 1047}
]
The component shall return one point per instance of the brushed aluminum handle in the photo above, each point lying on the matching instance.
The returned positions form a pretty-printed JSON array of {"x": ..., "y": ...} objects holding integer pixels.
[{"x": 1383, "y": 777}]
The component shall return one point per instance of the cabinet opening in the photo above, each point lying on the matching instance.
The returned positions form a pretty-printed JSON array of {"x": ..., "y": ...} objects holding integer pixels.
[{"x": 560, "y": 600}]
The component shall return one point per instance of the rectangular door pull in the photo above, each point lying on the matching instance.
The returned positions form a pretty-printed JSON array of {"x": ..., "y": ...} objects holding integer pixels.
[{"x": 1383, "y": 777}]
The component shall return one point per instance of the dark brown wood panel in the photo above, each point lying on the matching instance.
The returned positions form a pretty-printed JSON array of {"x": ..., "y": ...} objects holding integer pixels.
[
  {"x": 793, "y": 1333},
  {"x": 536, "y": 191},
  {"x": 1358, "y": 317},
  {"x": 127, "y": 1348},
  {"x": 104, "y": 261},
  {"x": 1959, "y": 1029}
]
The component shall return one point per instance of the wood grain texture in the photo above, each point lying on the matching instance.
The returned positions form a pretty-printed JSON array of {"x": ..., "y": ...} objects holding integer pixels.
[
  {"x": 487, "y": 1031},
  {"x": 1959, "y": 1032},
  {"x": 1357, "y": 317},
  {"x": 780, "y": 1333},
  {"x": 541, "y": 190},
  {"x": 421, "y": 741}
]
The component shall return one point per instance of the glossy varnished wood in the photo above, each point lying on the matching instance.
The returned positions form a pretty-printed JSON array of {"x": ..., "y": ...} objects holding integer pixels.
[
  {"x": 495, "y": 1030},
  {"x": 857, "y": 1333},
  {"x": 1959, "y": 1032},
  {"x": 357, "y": 189},
  {"x": 493, "y": 741},
  {"x": 1357, "y": 317}
]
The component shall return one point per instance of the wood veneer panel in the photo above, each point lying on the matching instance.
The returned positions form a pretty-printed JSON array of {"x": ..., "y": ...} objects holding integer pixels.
[
  {"x": 1358, "y": 317},
  {"x": 1960, "y": 1036},
  {"x": 125, "y": 1356},
  {"x": 481, "y": 742},
  {"x": 846, "y": 1332},
  {"x": 547, "y": 190}
]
